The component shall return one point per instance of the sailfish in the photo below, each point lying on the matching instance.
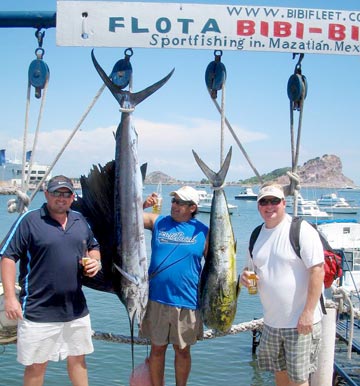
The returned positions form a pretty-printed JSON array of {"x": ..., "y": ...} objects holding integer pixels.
[{"x": 112, "y": 202}]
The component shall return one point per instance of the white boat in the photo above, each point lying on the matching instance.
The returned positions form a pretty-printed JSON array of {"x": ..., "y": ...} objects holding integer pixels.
[
  {"x": 342, "y": 207},
  {"x": 329, "y": 199},
  {"x": 300, "y": 200},
  {"x": 350, "y": 189},
  {"x": 11, "y": 170},
  {"x": 206, "y": 201},
  {"x": 345, "y": 236},
  {"x": 310, "y": 211},
  {"x": 246, "y": 193}
]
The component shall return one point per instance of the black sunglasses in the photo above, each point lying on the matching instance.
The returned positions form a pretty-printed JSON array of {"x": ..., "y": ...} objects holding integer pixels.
[
  {"x": 61, "y": 194},
  {"x": 272, "y": 201},
  {"x": 177, "y": 201}
]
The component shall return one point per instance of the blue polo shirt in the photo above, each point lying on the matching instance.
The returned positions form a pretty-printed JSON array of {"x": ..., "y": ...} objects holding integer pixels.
[{"x": 50, "y": 272}]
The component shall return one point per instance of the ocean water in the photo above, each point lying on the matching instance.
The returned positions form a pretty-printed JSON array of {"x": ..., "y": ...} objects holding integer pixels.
[{"x": 225, "y": 360}]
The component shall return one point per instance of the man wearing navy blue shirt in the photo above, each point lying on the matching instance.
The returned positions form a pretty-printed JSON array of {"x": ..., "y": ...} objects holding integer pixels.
[{"x": 53, "y": 318}]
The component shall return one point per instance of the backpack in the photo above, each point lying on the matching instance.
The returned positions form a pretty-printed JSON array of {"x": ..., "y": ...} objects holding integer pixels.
[{"x": 332, "y": 260}]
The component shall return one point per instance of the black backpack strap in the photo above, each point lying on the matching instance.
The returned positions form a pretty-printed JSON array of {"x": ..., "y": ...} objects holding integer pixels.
[
  {"x": 295, "y": 243},
  {"x": 253, "y": 237},
  {"x": 295, "y": 234}
]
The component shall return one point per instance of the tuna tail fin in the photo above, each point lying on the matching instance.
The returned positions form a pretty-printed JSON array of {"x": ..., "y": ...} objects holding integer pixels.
[
  {"x": 126, "y": 99},
  {"x": 216, "y": 179}
]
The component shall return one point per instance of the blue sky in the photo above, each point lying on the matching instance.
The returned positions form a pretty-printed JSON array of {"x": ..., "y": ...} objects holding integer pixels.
[{"x": 181, "y": 117}]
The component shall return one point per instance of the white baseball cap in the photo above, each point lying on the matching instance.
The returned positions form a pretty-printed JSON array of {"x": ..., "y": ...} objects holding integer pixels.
[
  {"x": 187, "y": 193},
  {"x": 271, "y": 191}
]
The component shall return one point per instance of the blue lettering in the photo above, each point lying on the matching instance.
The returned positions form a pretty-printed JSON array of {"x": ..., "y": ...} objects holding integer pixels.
[
  {"x": 232, "y": 10},
  {"x": 252, "y": 11},
  {"x": 185, "y": 23},
  {"x": 211, "y": 26},
  {"x": 114, "y": 22},
  {"x": 270, "y": 12},
  {"x": 166, "y": 25},
  {"x": 135, "y": 26}
]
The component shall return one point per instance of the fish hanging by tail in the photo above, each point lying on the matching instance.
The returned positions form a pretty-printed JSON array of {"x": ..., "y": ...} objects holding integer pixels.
[
  {"x": 219, "y": 283},
  {"x": 126, "y": 256}
]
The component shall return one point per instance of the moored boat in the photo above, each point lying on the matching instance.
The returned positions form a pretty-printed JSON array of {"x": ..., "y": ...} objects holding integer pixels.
[
  {"x": 246, "y": 194},
  {"x": 342, "y": 207},
  {"x": 330, "y": 199},
  {"x": 206, "y": 201},
  {"x": 344, "y": 237},
  {"x": 309, "y": 210}
]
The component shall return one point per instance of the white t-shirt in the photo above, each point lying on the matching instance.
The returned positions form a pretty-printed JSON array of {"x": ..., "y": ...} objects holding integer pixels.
[{"x": 283, "y": 276}]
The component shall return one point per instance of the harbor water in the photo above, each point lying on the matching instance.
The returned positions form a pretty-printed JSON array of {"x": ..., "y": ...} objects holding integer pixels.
[{"x": 224, "y": 360}]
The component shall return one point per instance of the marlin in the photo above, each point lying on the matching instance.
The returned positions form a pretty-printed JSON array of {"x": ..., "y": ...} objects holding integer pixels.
[
  {"x": 219, "y": 284},
  {"x": 119, "y": 225}
]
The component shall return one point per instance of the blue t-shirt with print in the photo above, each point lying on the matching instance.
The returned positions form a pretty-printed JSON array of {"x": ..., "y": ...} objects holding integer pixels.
[{"x": 174, "y": 272}]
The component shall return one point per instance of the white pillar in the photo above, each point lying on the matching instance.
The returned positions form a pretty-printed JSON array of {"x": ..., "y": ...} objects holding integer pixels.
[{"x": 324, "y": 374}]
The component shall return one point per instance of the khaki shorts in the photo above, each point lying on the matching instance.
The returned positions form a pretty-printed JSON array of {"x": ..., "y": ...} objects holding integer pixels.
[
  {"x": 42, "y": 342},
  {"x": 166, "y": 324}
]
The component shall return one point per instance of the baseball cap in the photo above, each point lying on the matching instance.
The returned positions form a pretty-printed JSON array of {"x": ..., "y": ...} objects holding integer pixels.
[
  {"x": 187, "y": 193},
  {"x": 58, "y": 182},
  {"x": 271, "y": 190}
]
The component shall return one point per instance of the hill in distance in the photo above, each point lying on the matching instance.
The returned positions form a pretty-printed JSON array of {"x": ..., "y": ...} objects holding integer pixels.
[{"x": 325, "y": 171}]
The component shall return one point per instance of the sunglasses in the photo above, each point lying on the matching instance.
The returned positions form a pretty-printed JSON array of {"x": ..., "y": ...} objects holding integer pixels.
[
  {"x": 61, "y": 194},
  {"x": 181, "y": 202},
  {"x": 271, "y": 201}
]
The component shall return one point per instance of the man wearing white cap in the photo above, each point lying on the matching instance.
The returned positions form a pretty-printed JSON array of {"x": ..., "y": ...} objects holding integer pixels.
[
  {"x": 178, "y": 244},
  {"x": 289, "y": 289}
]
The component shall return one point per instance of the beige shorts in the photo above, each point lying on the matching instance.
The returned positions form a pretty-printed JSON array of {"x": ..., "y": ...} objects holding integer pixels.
[
  {"x": 42, "y": 342},
  {"x": 166, "y": 324}
]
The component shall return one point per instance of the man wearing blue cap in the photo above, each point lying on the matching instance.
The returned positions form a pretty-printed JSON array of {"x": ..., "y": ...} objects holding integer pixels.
[{"x": 53, "y": 318}]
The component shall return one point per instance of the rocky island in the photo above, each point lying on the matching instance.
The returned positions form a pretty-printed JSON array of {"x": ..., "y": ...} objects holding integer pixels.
[{"x": 325, "y": 171}]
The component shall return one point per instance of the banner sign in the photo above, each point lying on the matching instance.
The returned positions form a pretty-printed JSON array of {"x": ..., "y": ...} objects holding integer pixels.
[{"x": 207, "y": 26}]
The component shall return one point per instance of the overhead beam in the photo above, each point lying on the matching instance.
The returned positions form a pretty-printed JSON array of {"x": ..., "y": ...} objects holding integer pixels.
[{"x": 28, "y": 19}]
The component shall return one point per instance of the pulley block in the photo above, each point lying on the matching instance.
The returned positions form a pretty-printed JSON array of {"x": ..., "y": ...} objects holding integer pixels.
[
  {"x": 38, "y": 75},
  {"x": 297, "y": 89},
  {"x": 215, "y": 76},
  {"x": 122, "y": 70}
]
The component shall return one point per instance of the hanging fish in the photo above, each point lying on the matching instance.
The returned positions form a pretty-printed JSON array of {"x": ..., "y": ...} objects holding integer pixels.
[
  {"x": 121, "y": 231},
  {"x": 219, "y": 284}
]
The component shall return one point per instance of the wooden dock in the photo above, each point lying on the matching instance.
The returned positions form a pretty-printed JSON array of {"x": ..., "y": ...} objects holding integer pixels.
[{"x": 347, "y": 369}]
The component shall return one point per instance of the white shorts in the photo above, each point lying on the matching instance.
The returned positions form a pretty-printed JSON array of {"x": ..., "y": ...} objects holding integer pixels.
[{"x": 42, "y": 342}]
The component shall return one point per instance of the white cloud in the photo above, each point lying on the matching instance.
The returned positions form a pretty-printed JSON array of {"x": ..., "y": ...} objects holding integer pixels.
[{"x": 164, "y": 146}]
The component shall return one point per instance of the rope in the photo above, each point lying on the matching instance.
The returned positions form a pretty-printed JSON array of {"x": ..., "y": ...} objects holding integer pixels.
[
  {"x": 43, "y": 99},
  {"x": 22, "y": 202},
  {"x": 296, "y": 103},
  {"x": 222, "y": 125},
  {"x": 91, "y": 105},
  {"x": 23, "y": 187},
  {"x": 19, "y": 204},
  {"x": 238, "y": 141},
  {"x": 253, "y": 325}
]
